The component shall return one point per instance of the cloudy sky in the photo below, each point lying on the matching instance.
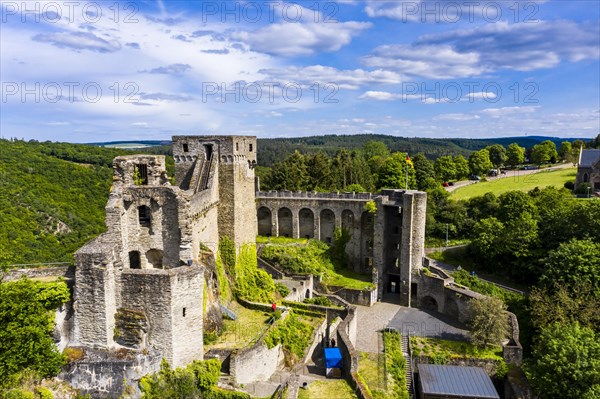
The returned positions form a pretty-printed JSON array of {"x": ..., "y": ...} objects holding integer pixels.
[{"x": 101, "y": 71}]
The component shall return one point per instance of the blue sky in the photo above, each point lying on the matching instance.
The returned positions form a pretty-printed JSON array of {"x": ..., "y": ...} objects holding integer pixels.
[{"x": 84, "y": 71}]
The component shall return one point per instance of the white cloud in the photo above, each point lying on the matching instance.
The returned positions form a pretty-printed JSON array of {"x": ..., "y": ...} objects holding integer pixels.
[
  {"x": 303, "y": 37},
  {"x": 503, "y": 111},
  {"x": 79, "y": 41},
  {"x": 342, "y": 79},
  {"x": 380, "y": 96},
  {"x": 455, "y": 117}
]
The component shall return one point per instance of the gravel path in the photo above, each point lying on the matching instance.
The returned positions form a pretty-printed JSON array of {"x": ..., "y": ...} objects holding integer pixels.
[{"x": 371, "y": 320}]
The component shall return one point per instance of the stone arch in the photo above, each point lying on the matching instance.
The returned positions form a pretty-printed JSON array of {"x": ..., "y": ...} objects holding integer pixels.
[
  {"x": 429, "y": 303},
  {"x": 327, "y": 219},
  {"x": 451, "y": 308},
  {"x": 284, "y": 220},
  {"x": 347, "y": 219},
  {"x": 264, "y": 221},
  {"x": 307, "y": 294},
  {"x": 307, "y": 223},
  {"x": 155, "y": 258},
  {"x": 134, "y": 260},
  {"x": 224, "y": 158}
]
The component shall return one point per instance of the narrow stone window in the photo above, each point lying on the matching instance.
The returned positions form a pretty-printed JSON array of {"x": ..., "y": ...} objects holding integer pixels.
[
  {"x": 134, "y": 260},
  {"x": 237, "y": 146},
  {"x": 140, "y": 175},
  {"x": 185, "y": 147},
  {"x": 144, "y": 216},
  {"x": 250, "y": 148},
  {"x": 183, "y": 312}
]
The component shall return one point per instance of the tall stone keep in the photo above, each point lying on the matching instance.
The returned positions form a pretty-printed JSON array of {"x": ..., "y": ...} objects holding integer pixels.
[
  {"x": 231, "y": 160},
  {"x": 136, "y": 285}
]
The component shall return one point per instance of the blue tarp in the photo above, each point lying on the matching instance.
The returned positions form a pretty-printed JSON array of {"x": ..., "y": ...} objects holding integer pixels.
[{"x": 333, "y": 358}]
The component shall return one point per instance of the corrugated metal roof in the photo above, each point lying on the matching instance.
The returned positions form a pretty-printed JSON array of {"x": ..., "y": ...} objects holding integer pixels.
[
  {"x": 456, "y": 380},
  {"x": 589, "y": 158}
]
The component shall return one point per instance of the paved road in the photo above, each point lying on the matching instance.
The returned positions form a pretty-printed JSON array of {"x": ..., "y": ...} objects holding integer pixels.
[
  {"x": 371, "y": 320},
  {"x": 509, "y": 173}
]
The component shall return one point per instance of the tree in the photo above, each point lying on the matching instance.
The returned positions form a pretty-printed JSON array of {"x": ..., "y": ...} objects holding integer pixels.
[
  {"x": 565, "y": 151},
  {"x": 488, "y": 321},
  {"x": 544, "y": 152},
  {"x": 319, "y": 172},
  {"x": 423, "y": 170},
  {"x": 574, "y": 263},
  {"x": 565, "y": 305},
  {"x": 291, "y": 174},
  {"x": 372, "y": 149},
  {"x": 444, "y": 168},
  {"x": 393, "y": 173},
  {"x": 462, "y": 167},
  {"x": 479, "y": 162},
  {"x": 566, "y": 362},
  {"x": 515, "y": 155},
  {"x": 26, "y": 323},
  {"x": 497, "y": 154}
]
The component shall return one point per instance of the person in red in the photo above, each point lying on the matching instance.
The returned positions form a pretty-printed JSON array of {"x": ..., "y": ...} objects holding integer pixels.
[{"x": 274, "y": 306}]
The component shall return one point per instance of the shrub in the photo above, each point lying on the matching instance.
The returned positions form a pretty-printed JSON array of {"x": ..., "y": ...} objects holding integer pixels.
[
  {"x": 294, "y": 336},
  {"x": 319, "y": 300},
  {"x": 282, "y": 289},
  {"x": 570, "y": 185}
]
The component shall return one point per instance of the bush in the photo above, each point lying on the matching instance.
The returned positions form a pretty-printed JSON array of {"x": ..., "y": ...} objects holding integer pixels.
[
  {"x": 19, "y": 394},
  {"x": 26, "y": 323},
  {"x": 282, "y": 290},
  {"x": 570, "y": 185},
  {"x": 319, "y": 300},
  {"x": 294, "y": 336}
]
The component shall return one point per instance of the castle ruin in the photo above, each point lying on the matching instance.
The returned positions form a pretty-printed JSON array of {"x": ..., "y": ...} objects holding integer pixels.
[{"x": 140, "y": 285}]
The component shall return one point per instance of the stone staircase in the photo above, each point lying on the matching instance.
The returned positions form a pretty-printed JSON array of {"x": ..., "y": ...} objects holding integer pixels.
[
  {"x": 409, "y": 367},
  {"x": 228, "y": 312}
]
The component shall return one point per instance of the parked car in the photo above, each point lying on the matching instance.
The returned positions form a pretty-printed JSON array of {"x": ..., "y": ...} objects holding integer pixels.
[
  {"x": 445, "y": 184},
  {"x": 451, "y": 183},
  {"x": 474, "y": 177}
]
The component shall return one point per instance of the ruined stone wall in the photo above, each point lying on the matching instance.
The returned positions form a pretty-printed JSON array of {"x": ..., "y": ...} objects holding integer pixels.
[
  {"x": 257, "y": 363},
  {"x": 94, "y": 294},
  {"x": 187, "y": 284},
  {"x": 150, "y": 291}
]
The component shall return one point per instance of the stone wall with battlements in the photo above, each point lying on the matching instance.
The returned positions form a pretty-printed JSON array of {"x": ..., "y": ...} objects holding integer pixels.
[{"x": 388, "y": 244}]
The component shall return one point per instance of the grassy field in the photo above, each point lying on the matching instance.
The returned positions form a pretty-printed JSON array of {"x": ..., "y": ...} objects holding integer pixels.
[
  {"x": 371, "y": 371},
  {"x": 329, "y": 389},
  {"x": 556, "y": 178}
]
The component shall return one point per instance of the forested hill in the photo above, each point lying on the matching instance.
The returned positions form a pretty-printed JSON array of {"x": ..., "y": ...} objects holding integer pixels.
[
  {"x": 52, "y": 198},
  {"x": 274, "y": 150}
]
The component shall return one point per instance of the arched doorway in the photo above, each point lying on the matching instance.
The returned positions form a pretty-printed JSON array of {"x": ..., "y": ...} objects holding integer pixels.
[
  {"x": 264, "y": 221},
  {"x": 429, "y": 303},
  {"x": 284, "y": 219},
  {"x": 307, "y": 223},
  {"x": 327, "y": 220}
]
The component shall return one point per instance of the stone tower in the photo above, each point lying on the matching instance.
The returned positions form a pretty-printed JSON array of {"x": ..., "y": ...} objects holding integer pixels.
[
  {"x": 227, "y": 164},
  {"x": 135, "y": 286}
]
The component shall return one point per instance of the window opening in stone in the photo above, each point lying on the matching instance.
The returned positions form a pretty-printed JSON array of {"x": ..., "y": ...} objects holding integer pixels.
[
  {"x": 208, "y": 150},
  {"x": 144, "y": 216},
  {"x": 140, "y": 176},
  {"x": 183, "y": 312},
  {"x": 185, "y": 147},
  {"x": 250, "y": 148},
  {"x": 134, "y": 260}
]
